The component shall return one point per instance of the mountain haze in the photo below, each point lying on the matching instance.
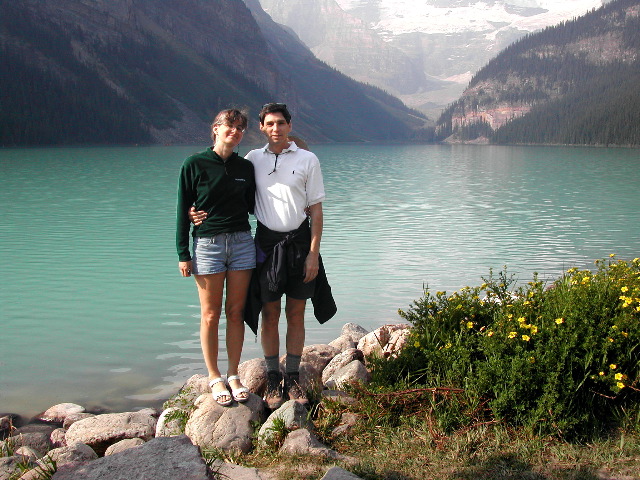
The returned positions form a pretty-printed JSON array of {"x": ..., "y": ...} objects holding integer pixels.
[
  {"x": 423, "y": 51},
  {"x": 574, "y": 83},
  {"x": 148, "y": 71}
]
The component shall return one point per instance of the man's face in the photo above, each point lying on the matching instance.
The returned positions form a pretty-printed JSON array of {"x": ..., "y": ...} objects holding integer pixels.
[{"x": 276, "y": 128}]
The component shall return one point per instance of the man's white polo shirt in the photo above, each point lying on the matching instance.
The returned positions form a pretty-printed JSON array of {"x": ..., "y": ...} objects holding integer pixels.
[{"x": 286, "y": 184}]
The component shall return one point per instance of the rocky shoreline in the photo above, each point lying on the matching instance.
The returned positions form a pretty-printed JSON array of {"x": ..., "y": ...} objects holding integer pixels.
[{"x": 67, "y": 442}]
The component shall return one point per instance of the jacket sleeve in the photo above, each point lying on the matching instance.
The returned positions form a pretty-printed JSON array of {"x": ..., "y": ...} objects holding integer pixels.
[
  {"x": 251, "y": 192},
  {"x": 186, "y": 197}
]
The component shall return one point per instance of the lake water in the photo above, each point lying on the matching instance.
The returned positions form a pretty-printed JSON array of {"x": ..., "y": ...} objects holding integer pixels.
[{"x": 93, "y": 310}]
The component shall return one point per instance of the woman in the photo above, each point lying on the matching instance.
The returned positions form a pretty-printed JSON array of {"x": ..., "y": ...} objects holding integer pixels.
[{"x": 221, "y": 183}]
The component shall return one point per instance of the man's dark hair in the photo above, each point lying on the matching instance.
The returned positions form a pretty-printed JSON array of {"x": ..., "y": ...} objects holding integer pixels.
[{"x": 274, "y": 108}]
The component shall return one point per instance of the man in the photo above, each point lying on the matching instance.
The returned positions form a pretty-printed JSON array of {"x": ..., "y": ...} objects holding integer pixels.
[
  {"x": 288, "y": 186},
  {"x": 289, "y": 196}
]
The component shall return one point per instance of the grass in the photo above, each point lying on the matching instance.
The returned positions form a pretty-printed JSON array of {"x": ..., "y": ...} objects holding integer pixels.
[{"x": 386, "y": 446}]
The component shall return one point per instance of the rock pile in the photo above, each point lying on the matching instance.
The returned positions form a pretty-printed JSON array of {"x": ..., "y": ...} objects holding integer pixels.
[{"x": 66, "y": 442}]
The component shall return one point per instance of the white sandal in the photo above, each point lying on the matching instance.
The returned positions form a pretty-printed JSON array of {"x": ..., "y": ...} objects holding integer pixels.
[
  {"x": 223, "y": 393},
  {"x": 238, "y": 393}
]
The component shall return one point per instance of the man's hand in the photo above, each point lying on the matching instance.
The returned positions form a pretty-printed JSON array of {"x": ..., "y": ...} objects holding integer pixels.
[
  {"x": 197, "y": 217},
  {"x": 185, "y": 268},
  {"x": 311, "y": 266}
]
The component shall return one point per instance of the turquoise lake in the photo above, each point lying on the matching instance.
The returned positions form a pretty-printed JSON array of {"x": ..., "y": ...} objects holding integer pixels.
[{"x": 93, "y": 310}]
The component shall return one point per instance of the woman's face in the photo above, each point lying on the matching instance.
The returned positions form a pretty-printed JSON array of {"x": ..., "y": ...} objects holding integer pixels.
[{"x": 228, "y": 133}]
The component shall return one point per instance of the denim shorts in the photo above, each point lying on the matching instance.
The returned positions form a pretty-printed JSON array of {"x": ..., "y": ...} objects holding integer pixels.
[{"x": 225, "y": 251}]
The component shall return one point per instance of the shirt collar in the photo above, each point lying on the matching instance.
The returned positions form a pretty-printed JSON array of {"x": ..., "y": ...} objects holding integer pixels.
[{"x": 291, "y": 148}]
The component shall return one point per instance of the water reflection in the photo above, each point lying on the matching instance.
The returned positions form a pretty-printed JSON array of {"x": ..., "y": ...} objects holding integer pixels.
[{"x": 99, "y": 306}]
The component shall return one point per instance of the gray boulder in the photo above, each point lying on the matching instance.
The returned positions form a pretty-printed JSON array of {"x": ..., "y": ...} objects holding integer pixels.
[
  {"x": 195, "y": 386},
  {"x": 319, "y": 355},
  {"x": 339, "y": 361},
  {"x": 226, "y": 470},
  {"x": 337, "y": 473},
  {"x": 254, "y": 375},
  {"x": 58, "y": 438},
  {"x": 58, "y": 413},
  {"x": 384, "y": 341},
  {"x": 123, "y": 445},
  {"x": 9, "y": 466},
  {"x": 343, "y": 342},
  {"x": 101, "y": 431},
  {"x": 27, "y": 452},
  {"x": 303, "y": 442},
  {"x": 35, "y": 436},
  {"x": 314, "y": 359},
  {"x": 168, "y": 426},
  {"x": 166, "y": 458},
  {"x": 354, "y": 331},
  {"x": 293, "y": 415},
  {"x": 227, "y": 428},
  {"x": 74, "y": 417},
  {"x": 77, "y": 452},
  {"x": 6, "y": 423},
  {"x": 347, "y": 422},
  {"x": 354, "y": 371}
]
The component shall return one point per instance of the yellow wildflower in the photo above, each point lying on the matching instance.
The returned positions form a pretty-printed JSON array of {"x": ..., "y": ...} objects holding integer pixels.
[
  {"x": 601, "y": 374},
  {"x": 533, "y": 329},
  {"x": 469, "y": 324},
  {"x": 490, "y": 333},
  {"x": 610, "y": 339},
  {"x": 532, "y": 359},
  {"x": 559, "y": 320},
  {"x": 620, "y": 385},
  {"x": 448, "y": 345},
  {"x": 526, "y": 338},
  {"x": 613, "y": 366},
  {"x": 612, "y": 255},
  {"x": 624, "y": 289},
  {"x": 417, "y": 344},
  {"x": 512, "y": 334},
  {"x": 522, "y": 320},
  {"x": 618, "y": 376}
]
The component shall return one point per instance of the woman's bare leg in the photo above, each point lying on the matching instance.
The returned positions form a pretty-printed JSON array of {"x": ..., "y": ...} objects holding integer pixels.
[
  {"x": 210, "y": 289},
  {"x": 237, "y": 287}
]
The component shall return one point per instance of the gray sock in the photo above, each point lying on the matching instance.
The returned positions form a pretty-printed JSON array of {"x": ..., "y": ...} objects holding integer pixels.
[
  {"x": 293, "y": 363},
  {"x": 273, "y": 365}
]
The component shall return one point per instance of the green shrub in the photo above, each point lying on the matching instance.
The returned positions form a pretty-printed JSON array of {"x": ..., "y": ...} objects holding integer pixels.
[{"x": 560, "y": 358}]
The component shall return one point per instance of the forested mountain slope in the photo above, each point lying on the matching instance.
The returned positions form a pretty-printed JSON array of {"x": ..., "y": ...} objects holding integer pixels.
[
  {"x": 575, "y": 83},
  {"x": 155, "y": 71}
]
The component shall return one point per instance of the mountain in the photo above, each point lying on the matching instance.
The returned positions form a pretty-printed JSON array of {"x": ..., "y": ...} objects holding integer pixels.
[
  {"x": 156, "y": 71},
  {"x": 575, "y": 83},
  {"x": 423, "y": 51}
]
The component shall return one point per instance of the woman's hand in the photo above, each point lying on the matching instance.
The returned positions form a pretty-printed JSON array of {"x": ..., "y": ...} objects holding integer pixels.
[
  {"x": 197, "y": 217},
  {"x": 185, "y": 268}
]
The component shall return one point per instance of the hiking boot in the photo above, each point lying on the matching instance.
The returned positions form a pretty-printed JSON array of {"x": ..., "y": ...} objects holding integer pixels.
[
  {"x": 273, "y": 395},
  {"x": 295, "y": 390}
]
